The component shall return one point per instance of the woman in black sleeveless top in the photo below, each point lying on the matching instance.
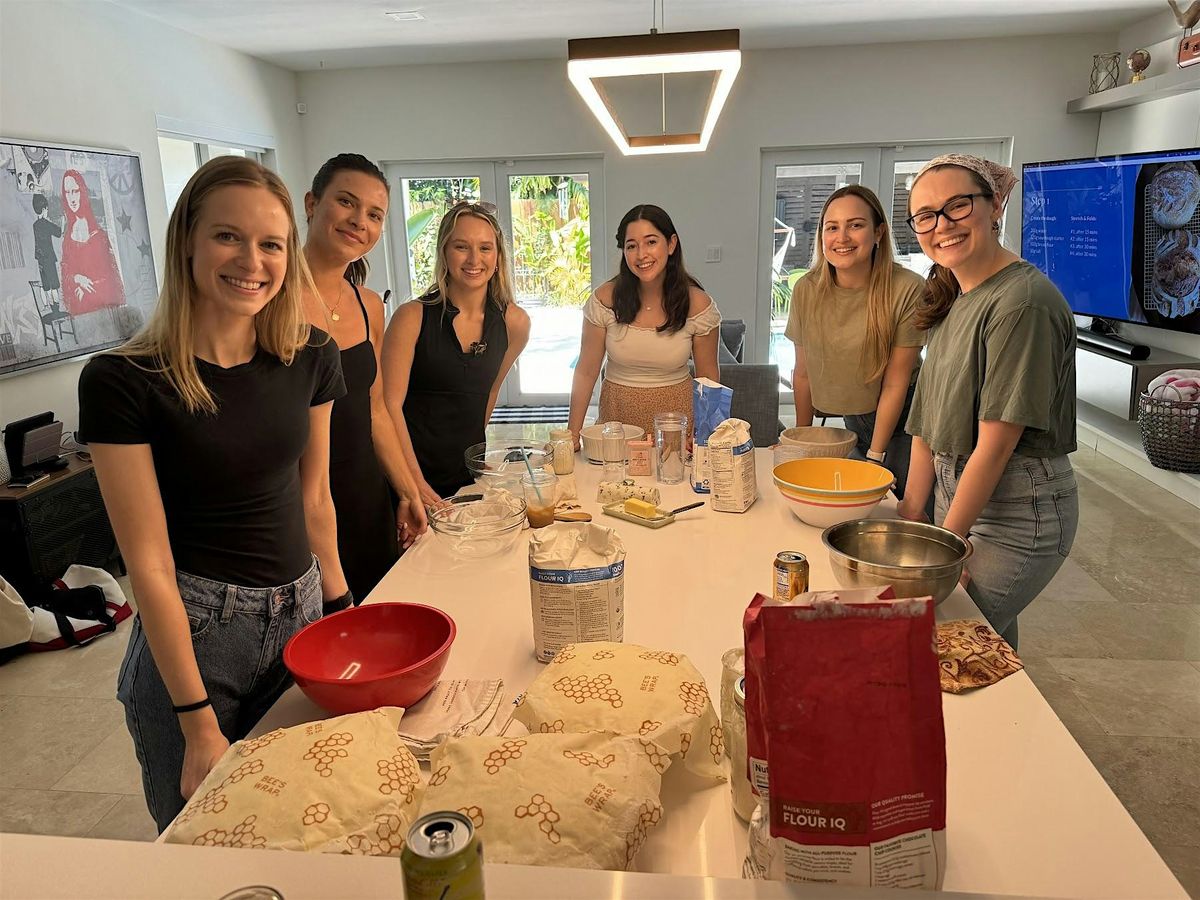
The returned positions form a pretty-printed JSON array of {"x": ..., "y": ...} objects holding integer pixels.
[
  {"x": 367, "y": 469},
  {"x": 446, "y": 355}
]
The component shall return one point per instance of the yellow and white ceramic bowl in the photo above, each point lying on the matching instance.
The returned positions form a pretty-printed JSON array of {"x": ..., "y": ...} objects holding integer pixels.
[
  {"x": 823, "y": 513},
  {"x": 824, "y": 478}
]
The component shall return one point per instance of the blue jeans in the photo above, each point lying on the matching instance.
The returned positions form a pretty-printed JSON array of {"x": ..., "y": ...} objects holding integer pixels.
[
  {"x": 238, "y": 634},
  {"x": 899, "y": 448},
  {"x": 1022, "y": 535}
]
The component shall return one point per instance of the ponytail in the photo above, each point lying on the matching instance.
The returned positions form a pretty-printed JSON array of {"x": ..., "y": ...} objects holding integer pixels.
[
  {"x": 356, "y": 272},
  {"x": 941, "y": 290}
]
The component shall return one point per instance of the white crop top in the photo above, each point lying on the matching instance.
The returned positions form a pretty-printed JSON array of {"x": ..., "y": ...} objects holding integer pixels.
[{"x": 643, "y": 357}]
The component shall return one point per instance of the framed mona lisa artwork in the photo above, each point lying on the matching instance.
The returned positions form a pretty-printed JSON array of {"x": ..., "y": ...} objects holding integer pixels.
[{"x": 76, "y": 270}]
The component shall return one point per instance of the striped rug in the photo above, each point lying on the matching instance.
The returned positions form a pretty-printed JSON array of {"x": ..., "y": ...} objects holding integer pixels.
[{"x": 523, "y": 415}]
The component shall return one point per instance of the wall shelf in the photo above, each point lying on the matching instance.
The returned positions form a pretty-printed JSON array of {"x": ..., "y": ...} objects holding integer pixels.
[{"x": 1176, "y": 81}]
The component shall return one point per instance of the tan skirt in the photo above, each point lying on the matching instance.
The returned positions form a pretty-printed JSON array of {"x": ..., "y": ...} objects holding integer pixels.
[{"x": 638, "y": 406}]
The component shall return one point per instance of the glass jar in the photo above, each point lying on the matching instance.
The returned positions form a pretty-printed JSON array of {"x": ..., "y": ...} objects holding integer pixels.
[
  {"x": 613, "y": 450},
  {"x": 744, "y": 800},
  {"x": 670, "y": 439},
  {"x": 538, "y": 487},
  {"x": 562, "y": 451}
]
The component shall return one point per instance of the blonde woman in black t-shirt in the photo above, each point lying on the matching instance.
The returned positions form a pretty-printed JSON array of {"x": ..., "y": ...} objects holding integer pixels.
[{"x": 210, "y": 436}]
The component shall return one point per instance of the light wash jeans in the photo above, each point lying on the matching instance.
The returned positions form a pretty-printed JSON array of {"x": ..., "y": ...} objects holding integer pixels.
[
  {"x": 1022, "y": 535},
  {"x": 238, "y": 634},
  {"x": 899, "y": 448}
]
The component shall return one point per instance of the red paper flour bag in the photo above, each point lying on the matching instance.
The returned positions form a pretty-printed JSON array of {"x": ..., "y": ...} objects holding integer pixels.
[{"x": 849, "y": 703}]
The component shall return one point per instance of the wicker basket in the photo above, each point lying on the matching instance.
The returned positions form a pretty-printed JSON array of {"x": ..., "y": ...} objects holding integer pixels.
[{"x": 1170, "y": 432}]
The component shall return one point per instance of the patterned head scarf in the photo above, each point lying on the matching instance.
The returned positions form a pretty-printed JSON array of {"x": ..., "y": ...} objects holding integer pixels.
[{"x": 999, "y": 178}]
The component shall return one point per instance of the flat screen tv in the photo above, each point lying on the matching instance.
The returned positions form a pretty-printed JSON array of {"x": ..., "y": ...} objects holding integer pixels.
[{"x": 1119, "y": 235}]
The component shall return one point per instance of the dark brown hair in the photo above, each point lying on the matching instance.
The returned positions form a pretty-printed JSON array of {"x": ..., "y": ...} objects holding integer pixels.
[
  {"x": 677, "y": 284},
  {"x": 356, "y": 272},
  {"x": 941, "y": 287}
]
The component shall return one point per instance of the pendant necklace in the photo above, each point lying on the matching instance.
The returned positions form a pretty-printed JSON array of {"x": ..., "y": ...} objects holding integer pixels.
[{"x": 333, "y": 310}]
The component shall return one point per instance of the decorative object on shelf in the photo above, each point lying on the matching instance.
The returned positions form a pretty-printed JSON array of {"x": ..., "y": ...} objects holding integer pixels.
[
  {"x": 591, "y": 62},
  {"x": 1105, "y": 71},
  {"x": 76, "y": 271},
  {"x": 1138, "y": 62},
  {"x": 1189, "y": 45}
]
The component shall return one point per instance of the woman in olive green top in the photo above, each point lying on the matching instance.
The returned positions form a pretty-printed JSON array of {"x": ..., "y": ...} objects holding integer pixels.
[
  {"x": 852, "y": 320},
  {"x": 994, "y": 414}
]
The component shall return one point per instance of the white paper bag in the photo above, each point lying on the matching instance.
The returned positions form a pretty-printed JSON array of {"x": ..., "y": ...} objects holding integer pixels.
[
  {"x": 576, "y": 586},
  {"x": 731, "y": 458}
]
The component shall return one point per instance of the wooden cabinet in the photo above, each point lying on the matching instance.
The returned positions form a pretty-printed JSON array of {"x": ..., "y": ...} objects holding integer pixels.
[{"x": 57, "y": 522}]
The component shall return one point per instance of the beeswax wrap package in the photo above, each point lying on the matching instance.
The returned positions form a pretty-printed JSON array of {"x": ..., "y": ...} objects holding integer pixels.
[
  {"x": 342, "y": 785},
  {"x": 654, "y": 695},
  {"x": 578, "y": 800}
]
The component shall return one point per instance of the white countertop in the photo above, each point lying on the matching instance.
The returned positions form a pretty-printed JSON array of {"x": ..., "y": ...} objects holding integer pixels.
[
  {"x": 59, "y": 868},
  {"x": 1027, "y": 813}
]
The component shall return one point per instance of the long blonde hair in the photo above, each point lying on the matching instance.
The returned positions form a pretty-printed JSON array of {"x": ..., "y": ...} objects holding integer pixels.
[
  {"x": 877, "y": 346},
  {"x": 499, "y": 287},
  {"x": 167, "y": 339}
]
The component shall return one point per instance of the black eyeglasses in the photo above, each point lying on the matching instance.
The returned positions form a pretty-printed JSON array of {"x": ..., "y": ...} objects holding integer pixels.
[{"x": 956, "y": 209}]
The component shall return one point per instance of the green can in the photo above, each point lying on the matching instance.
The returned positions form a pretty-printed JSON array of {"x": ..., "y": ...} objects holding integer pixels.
[{"x": 442, "y": 859}]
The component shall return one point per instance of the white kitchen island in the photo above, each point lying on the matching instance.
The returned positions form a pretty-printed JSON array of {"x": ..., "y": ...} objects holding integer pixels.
[{"x": 1027, "y": 813}]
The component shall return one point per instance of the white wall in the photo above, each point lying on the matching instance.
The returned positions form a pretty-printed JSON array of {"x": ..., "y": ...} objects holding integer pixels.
[
  {"x": 1005, "y": 88},
  {"x": 94, "y": 74},
  {"x": 1168, "y": 124}
]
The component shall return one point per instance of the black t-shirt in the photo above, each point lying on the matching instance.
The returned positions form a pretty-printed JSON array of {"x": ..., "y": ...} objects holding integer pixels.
[{"x": 230, "y": 482}]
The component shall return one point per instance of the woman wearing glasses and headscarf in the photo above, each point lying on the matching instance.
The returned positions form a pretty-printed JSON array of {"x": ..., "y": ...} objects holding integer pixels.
[
  {"x": 993, "y": 418},
  {"x": 446, "y": 355}
]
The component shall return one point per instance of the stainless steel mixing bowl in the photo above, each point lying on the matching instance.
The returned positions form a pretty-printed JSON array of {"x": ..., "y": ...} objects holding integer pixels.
[{"x": 917, "y": 559}]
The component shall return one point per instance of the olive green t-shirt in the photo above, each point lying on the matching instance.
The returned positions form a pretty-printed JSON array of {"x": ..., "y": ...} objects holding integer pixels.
[
  {"x": 1005, "y": 352},
  {"x": 832, "y": 331}
]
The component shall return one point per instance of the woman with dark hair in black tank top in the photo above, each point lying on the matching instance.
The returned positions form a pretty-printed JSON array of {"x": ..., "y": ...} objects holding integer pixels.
[
  {"x": 447, "y": 353},
  {"x": 345, "y": 210}
]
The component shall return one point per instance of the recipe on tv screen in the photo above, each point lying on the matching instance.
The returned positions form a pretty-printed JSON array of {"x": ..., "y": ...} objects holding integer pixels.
[{"x": 1120, "y": 235}]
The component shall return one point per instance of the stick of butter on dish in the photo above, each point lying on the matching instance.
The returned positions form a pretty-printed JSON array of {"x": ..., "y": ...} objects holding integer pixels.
[{"x": 641, "y": 508}]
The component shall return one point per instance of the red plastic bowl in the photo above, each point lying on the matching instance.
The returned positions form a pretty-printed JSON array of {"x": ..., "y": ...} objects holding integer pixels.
[{"x": 384, "y": 654}]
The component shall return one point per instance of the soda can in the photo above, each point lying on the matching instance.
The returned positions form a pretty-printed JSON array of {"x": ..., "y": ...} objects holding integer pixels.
[
  {"x": 791, "y": 575},
  {"x": 442, "y": 859}
]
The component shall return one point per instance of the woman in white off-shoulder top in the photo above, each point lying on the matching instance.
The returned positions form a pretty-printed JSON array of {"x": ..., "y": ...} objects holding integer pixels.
[{"x": 649, "y": 321}]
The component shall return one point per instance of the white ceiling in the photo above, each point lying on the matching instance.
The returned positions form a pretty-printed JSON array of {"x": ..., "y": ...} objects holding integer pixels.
[{"x": 333, "y": 34}]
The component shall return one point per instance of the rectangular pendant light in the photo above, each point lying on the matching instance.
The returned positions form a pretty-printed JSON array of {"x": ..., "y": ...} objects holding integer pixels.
[{"x": 591, "y": 59}]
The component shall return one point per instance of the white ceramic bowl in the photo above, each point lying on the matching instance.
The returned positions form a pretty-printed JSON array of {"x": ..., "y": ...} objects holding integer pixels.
[
  {"x": 824, "y": 513},
  {"x": 593, "y": 446},
  {"x": 816, "y": 440}
]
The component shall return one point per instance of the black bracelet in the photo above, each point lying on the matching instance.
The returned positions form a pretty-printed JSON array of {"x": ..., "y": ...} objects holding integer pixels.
[
  {"x": 192, "y": 707},
  {"x": 337, "y": 604}
]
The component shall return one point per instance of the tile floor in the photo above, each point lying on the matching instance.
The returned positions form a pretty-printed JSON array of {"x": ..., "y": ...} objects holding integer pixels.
[{"x": 1113, "y": 644}]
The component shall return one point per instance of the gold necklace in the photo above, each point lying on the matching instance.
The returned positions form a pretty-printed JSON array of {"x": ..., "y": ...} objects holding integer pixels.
[{"x": 333, "y": 310}]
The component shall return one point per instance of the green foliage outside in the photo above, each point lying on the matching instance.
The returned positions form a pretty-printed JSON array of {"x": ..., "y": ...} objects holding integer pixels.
[{"x": 781, "y": 292}]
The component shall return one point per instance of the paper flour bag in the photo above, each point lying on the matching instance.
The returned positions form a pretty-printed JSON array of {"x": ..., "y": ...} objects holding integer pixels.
[
  {"x": 710, "y": 407},
  {"x": 731, "y": 459},
  {"x": 576, "y": 586},
  {"x": 846, "y": 684}
]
